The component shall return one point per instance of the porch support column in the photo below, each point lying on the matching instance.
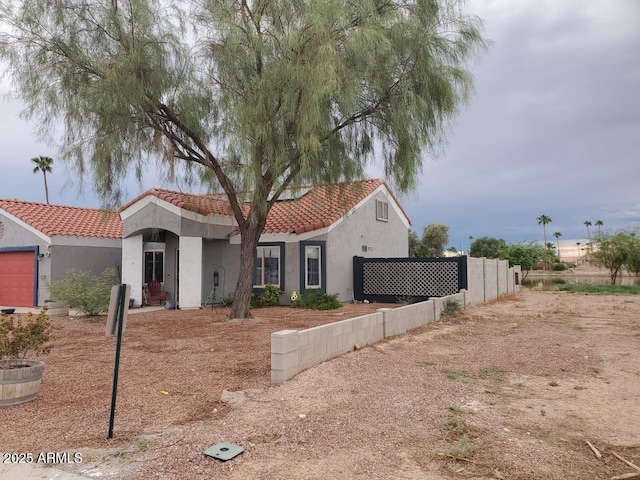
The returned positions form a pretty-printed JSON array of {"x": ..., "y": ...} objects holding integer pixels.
[
  {"x": 132, "y": 266},
  {"x": 190, "y": 275}
]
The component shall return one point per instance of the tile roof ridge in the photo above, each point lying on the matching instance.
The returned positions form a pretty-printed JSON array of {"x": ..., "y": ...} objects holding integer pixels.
[{"x": 54, "y": 205}]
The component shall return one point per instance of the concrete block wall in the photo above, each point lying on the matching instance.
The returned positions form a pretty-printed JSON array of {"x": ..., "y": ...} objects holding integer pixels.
[
  {"x": 475, "y": 280},
  {"x": 490, "y": 279},
  {"x": 517, "y": 272},
  {"x": 402, "y": 319},
  {"x": 440, "y": 302},
  {"x": 293, "y": 351},
  {"x": 502, "y": 272}
]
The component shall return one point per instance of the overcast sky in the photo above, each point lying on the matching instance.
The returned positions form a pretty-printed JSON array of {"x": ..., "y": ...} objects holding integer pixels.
[{"x": 553, "y": 128}]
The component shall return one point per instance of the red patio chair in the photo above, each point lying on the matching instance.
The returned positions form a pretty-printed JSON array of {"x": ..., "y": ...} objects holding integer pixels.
[{"x": 155, "y": 293}]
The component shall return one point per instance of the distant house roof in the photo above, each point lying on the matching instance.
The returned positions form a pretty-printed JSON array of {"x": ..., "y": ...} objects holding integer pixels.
[
  {"x": 67, "y": 221},
  {"x": 302, "y": 210}
]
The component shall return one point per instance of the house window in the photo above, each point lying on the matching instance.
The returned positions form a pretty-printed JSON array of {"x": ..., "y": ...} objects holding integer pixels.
[
  {"x": 382, "y": 211},
  {"x": 153, "y": 266},
  {"x": 267, "y": 266},
  {"x": 312, "y": 264}
]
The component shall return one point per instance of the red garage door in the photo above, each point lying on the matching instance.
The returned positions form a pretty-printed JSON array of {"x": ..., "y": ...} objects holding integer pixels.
[{"x": 16, "y": 279}]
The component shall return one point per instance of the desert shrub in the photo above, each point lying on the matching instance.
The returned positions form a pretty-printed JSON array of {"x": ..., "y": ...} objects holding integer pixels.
[
  {"x": 318, "y": 300},
  {"x": 450, "y": 307},
  {"x": 85, "y": 292},
  {"x": 405, "y": 299},
  {"x": 270, "y": 297},
  {"x": 19, "y": 337}
]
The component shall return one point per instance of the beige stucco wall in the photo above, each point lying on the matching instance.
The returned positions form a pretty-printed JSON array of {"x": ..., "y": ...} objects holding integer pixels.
[
  {"x": 386, "y": 239},
  {"x": 155, "y": 216}
]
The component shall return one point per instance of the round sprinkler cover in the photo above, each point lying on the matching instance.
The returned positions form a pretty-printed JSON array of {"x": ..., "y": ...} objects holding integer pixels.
[{"x": 224, "y": 451}]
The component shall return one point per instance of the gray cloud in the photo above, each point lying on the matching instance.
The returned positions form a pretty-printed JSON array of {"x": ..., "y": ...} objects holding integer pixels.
[{"x": 553, "y": 128}]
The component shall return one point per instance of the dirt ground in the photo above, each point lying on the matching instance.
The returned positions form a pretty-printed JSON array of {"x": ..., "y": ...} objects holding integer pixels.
[{"x": 508, "y": 390}]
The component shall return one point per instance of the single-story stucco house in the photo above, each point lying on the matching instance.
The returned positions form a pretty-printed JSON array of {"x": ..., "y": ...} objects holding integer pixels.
[
  {"x": 40, "y": 243},
  {"x": 191, "y": 242}
]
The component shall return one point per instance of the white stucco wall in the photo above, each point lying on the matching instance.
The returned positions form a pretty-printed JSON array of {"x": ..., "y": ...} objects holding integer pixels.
[
  {"x": 132, "y": 258},
  {"x": 190, "y": 272}
]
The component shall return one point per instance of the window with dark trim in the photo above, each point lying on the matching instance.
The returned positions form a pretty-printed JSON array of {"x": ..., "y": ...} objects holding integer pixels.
[
  {"x": 313, "y": 265},
  {"x": 269, "y": 265},
  {"x": 312, "y": 272},
  {"x": 153, "y": 265}
]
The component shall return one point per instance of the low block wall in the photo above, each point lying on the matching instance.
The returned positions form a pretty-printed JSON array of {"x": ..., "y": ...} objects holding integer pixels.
[{"x": 293, "y": 351}]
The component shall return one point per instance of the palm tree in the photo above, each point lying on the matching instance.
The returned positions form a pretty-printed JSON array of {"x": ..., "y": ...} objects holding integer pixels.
[
  {"x": 598, "y": 225},
  {"x": 578, "y": 245},
  {"x": 43, "y": 164},
  {"x": 544, "y": 220},
  {"x": 558, "y": 235},
  {"x": 470, "y": 241},
  {"x": 587, "y": 224}
]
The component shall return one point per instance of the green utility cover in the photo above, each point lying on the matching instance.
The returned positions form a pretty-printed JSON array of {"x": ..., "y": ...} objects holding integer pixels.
[{"x": 224, "y": 451}]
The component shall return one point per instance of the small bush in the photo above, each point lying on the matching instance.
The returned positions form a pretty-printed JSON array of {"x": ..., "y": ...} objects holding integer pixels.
[
  {"x": 558, "y": 267},
  {"x": 270, "y": 297},
  {"x": 85, "y": 292},
  {"x": 317, "y": 300},
  {"x": 405, "y": 299},
  {"x": 450, "y": 307},
  {"x": 17, "y": 337}
]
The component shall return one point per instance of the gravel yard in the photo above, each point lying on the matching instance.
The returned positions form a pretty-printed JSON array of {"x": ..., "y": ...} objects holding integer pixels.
[{"x": 508, "y": 390}]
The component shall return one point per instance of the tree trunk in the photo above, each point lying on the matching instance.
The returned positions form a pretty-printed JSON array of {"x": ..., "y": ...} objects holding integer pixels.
[
  {"x": 244, "y": 287},
  {"x": 46, "y": 187}
]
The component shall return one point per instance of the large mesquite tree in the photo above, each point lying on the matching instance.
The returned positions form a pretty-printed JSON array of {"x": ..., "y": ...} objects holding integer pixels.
[{"x": 248, "y": 95}]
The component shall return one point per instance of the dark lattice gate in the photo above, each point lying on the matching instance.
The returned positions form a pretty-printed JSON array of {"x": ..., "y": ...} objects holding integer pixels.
[{"x": 393, "y": 279}]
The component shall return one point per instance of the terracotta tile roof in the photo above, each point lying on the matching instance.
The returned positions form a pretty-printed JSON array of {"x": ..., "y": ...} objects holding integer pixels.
[
  {"x": 314, "y": 208},
  {"x": 68, "y": 221},
  {"x": 205, "y": 204},
  {"x": 319, "y": 207}
]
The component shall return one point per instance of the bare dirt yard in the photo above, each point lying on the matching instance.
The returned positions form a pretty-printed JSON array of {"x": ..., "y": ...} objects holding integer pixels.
[{"x": 508, "y": 390}]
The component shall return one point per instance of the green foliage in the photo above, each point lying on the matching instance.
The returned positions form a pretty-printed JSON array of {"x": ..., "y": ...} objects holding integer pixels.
[
  {"x": 414, "y": 244},
  {"x": 583, "y": 287},
  {"x": 488, "y": 247},
  {"x": 618, "y": 251},
  {"x": 450, "y": 307},
  {"x": 527, "y": 255},
  {"x": 270, "y": 297},
  {"x": 558, "y": 267},
  {"x": 317, "y": 300},
  {"x": 434, "y": 237},
  {"x": 85, "y": 292},
  {"x": 248, "y": 96},
  {"x": 405, "y": 299},
  {"x": 18, "y": 337}
]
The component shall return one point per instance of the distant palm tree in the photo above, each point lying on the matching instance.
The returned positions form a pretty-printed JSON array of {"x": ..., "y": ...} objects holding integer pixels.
[
  {"x": 558, "y": 235},
  {"x": 43, "y": 164},
  {"x": 470, "y": 240},
  {"x": 544, "y": 220},
  {"x": 578, "y": 245},
  {"x": 598, "y": 225},
  {"x": 587, "y": 224}
]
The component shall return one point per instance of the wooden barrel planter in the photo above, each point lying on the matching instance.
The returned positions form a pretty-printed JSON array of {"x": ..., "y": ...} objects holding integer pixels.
[
  {"x": 19, "y": 381},
  {"x": 57, "y": 309}
]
